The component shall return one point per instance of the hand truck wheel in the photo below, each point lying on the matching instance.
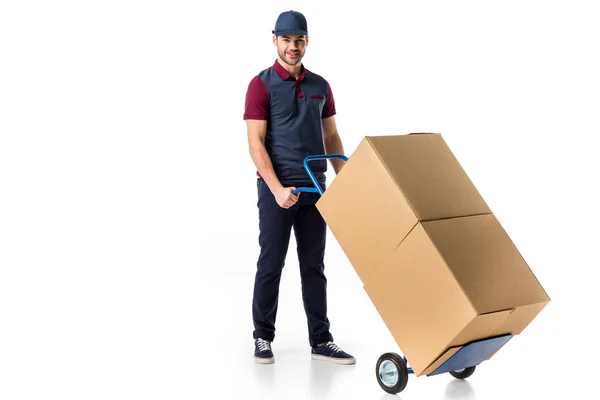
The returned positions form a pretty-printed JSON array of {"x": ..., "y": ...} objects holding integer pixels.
[
  {"x": 392, "y": 373},
  {"x": 463, "y": 373}
]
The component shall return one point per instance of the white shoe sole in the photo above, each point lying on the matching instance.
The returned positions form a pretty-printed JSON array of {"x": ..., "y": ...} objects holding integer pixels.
[
  {"x": 264, "y": 360},
  {"x": 343, "y": 361}
]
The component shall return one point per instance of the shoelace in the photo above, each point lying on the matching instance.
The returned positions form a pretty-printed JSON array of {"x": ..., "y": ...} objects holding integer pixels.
[
  {"x": 333, "y": 346},
  {"x": 263, "y": 345}
]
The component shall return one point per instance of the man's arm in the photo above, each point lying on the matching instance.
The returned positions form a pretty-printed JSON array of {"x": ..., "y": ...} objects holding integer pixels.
[
  {"x": 257, "y": 130},
  {"x": 333, "y": 142}
]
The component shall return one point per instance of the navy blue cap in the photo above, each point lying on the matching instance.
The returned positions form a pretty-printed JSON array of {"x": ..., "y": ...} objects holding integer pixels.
[{"x": 291, "y": 23}]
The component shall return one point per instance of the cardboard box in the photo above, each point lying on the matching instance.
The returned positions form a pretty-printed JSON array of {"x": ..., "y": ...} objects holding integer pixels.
[{"x": 436, "y": 263}]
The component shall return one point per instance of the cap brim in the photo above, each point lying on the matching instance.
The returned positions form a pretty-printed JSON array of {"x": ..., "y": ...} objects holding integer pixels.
[{"x": 290, "y": 32}]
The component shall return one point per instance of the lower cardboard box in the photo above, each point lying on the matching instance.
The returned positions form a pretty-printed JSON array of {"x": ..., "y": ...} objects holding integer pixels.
[{"x": 450, "y": 283}]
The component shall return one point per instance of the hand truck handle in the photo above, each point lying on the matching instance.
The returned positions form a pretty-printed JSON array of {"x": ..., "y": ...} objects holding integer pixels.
[{"x": 317, "y": 188}]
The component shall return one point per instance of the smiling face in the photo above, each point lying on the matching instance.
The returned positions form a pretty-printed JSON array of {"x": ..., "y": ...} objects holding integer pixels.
[{"x": 291, "y": 48}]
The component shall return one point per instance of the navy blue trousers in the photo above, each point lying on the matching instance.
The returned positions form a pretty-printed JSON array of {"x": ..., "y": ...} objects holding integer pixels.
[{"x": 275, "y": 225}]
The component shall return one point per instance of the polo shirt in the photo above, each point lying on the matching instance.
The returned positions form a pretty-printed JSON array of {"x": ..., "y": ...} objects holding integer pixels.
[{"x": 293, "y": 110}]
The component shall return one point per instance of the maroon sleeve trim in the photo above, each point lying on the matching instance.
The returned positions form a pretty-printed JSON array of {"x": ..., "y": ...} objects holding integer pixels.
[
  {"x": 329, "y": 108},
  {"x": 257, "y": 100}
]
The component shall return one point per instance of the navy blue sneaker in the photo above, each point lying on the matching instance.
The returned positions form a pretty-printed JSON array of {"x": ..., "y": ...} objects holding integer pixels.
[
  {"x": 332, "y": 353},
  {"x": 262, "y": 352}
]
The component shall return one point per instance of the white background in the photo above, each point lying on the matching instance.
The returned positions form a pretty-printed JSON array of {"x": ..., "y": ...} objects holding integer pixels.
[{"x": 128, "y": 221}]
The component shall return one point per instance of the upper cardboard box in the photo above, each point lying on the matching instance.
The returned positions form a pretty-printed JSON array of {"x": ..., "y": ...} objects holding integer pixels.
[{"x": 388, "y": 185}]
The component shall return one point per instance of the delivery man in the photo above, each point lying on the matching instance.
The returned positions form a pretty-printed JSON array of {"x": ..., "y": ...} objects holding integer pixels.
[{"x": 289, "y": 113}]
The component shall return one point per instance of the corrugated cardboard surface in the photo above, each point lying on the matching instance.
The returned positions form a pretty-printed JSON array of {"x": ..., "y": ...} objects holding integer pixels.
[
  {"x": 518, "y": 320},
  {"x": 419, "y": 300},
  {"x": 365, "y": 211},
  {"x": 482, "y": 326},
  {"x": 485, "y": 262},
  {"x": 429, "y": 176}
]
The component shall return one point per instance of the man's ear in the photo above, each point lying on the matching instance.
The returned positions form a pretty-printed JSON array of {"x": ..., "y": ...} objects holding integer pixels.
[
  {"x": 306, "y": 37},
  {"x": 275, "y": 39}
]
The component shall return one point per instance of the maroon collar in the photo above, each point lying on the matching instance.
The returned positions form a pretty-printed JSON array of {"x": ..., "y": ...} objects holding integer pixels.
[{"x": 283, "y": 74}]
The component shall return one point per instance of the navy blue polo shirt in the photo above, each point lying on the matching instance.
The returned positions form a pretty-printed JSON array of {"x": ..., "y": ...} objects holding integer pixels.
[{"x": 293, "y": 110}]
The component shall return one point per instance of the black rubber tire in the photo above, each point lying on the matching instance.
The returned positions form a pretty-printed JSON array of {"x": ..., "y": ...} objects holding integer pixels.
[
  {"x": 402, "y": 373},
  {"x": 464, "y": 374}
]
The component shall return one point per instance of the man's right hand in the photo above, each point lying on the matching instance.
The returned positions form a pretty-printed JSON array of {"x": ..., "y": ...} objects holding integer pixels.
[{"x": 285, "y": 198}]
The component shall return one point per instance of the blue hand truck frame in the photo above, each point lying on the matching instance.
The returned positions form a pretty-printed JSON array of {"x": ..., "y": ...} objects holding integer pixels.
[{"x": 317, "y": 188}]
